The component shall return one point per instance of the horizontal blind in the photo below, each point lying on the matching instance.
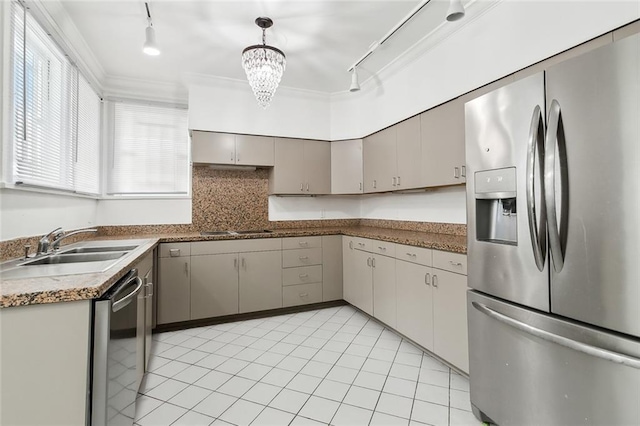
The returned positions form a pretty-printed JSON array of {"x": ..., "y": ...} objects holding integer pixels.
[
  {"x": 150, "y": 150},
  {"x": 87, "y": 147},
  {"x": 46, "y": 116}
]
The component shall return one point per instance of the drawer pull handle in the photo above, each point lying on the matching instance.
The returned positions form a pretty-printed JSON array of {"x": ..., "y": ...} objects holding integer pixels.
[
  {"x": 427, "y": 278},
  {"x": 434, "y": 281},
  {"x": 303, "y": 243},
  {"x": 382, "y": 248},
  {"x": 351, "y": 244},
  {"x": 174, "y": 252},
  {"x": 455, "y": 263},
  {"x": 412, "y": 254},
  {"x": 303, "y": 257},
  {"x": 304, "y": 294},
  {"x": 361, "y": 244},
  {"x": 304, "y": 276}
]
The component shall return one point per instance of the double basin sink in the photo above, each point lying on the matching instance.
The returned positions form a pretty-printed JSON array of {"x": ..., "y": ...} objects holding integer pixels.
[{"x": 79, "y": 258}]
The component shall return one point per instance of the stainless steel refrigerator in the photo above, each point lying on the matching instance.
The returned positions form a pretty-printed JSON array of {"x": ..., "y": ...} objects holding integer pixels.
[{"x": 553, "y": 209}]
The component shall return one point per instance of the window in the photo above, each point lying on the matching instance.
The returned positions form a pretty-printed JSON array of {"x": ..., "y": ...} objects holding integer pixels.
[
  {"x": 149, "y": 154},
  {"x": 55, "y": 113}
]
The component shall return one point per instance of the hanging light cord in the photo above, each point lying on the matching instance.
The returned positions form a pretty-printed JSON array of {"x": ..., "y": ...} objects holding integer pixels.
[
  {"x": 264, "y": 36},
  {"x": 148, "y": 14}
]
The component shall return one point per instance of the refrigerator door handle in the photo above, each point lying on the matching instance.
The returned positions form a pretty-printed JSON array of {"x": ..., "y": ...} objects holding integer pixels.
[
  {"x": 559, "y": 340},
  {"x": 555, "y": 151},
  {"x": 535, "y": 150}
]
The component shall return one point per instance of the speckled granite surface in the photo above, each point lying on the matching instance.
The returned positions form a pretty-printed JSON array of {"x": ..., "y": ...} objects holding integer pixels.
[{"x": 65, "y": 288}]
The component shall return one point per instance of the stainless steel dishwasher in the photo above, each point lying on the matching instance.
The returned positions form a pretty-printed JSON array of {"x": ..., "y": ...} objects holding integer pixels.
[{"x": 114, "y": 381}]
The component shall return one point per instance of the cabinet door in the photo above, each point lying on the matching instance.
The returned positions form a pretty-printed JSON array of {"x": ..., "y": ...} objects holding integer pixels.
[
  {"x": 331, "y": 267},
  {"x": 288, "y": 174},
  {"x": 384, "y": 289},
  {"x": 213, "y": 148},
  {"x": 409, "y": 151},
  {"x": 450, "y": 318},
  {"x": 414, "y": 302},
  {"x": 363, "y": 282},
  {"x": 174, "y": 289},
  {"x": 379, "y": 161},
  {"x": 346, "y": 167},
  {"x": 254, "y": 150},
  {"x": 148, "y": 313},
  {"x": 442, "y": 130},
  {"x": 348, "y": 270},
  {"x": 214, "y": 285},
  {"x": 317, "y": 166},
  {"x": 260, "y": 281}
]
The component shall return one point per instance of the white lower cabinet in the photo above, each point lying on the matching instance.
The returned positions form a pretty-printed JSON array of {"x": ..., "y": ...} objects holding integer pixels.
[
  {"x": 384, "y": 289},
  {"x": 414, "y": 302},
  {"x": 260, "y": 281},
  {"x": 214, "y": 285},
  {"x": 450, "y": 335},
  {"x": 412, "y": 293}
]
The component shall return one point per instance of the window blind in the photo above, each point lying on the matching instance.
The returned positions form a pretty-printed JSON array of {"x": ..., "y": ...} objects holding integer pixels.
[
  {"x": 51, "y": 143},
  {"x": 150, "y": 150}
]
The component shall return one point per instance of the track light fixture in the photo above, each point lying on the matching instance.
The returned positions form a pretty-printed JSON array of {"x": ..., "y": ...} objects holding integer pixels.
[
  {"x": 355, "y": 85},
  {"x": 455, "y": 11},
  {"x": 150, "y": 46}
]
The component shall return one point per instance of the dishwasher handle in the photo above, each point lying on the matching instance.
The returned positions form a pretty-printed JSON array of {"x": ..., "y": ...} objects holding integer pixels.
[{"x": 116, "y": 306}]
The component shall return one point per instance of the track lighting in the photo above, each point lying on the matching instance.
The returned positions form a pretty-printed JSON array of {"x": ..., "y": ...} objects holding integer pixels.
[
  {"x": 150, "y": 46},
  {"x": 355, "y": 85},
  {"x": 455, "y": 11}
]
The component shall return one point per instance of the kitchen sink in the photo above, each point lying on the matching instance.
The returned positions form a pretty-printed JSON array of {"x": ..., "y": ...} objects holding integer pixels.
[
  {"x": 55, "y": 259},
  {"x": 98, "y": 249}
]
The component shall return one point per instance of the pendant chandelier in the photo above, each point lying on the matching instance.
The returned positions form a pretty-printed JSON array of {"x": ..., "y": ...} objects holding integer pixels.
[{"x": 264, "y": 66}]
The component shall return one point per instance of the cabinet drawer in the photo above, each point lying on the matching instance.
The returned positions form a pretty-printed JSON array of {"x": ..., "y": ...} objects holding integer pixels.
[
  {"x": 419, "y": 255},
  {"x": 175, "y": 249},
  {"x": 235, "y": 246},
  {"x": 301, "y": 243},
  {"x": 302, "y": 294},
  {"x": 383, "y": 247},
  {"x": 453, "y": 262},
  {"x": 364, "y": 244},
  {"x": 302, "y": 275},
  {"x": 301, "y": 257}
]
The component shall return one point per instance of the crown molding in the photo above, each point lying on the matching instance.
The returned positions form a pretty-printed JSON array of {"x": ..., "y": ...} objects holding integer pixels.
[{"x": 149, "y": 90}]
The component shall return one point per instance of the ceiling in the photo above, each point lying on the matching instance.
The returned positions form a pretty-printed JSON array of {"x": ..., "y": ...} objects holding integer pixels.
[{"x": 321, "y": 39}]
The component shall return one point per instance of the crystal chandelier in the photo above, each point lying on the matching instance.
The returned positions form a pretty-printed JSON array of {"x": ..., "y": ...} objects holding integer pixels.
[{"x": 264, "y": 66}]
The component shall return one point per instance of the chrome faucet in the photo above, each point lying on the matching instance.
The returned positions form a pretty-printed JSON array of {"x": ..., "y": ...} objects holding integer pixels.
[
  {"x": 45, "y": 242},
  {"x": 55, "y": 243},
  {"x": 51, "y": 241}
]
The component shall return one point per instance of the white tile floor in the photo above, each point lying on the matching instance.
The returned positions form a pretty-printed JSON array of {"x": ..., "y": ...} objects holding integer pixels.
[{"x": 331, "y": 366}]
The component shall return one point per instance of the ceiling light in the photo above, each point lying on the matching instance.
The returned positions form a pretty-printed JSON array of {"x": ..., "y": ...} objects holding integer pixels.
[
  {"x": 264, "y": 66},
  {"x": 150, "y": 46},
  {"x": 455, "y": 11},
  {"x": 355, "y": 86}
]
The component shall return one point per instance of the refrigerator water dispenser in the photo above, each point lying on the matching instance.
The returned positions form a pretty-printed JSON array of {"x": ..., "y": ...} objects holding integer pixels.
[{"x": 496, "y": 211}]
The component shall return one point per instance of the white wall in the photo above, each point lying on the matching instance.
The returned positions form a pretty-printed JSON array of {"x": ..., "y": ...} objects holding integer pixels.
[
  {"x": 444, "y": 205},
  {"x": 226, "y": 105},
  {"x": 143, "y": 211},
  {"x": 26, "y": 213},
  {"x": 508, "y": 37}
]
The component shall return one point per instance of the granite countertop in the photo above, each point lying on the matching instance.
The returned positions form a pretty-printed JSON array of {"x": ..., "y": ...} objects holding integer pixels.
[{"x": 66, "y": 288}]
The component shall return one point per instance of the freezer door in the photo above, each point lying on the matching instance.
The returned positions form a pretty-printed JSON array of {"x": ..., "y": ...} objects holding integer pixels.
[
  {"x": 529, "y": 368},
  {"x": 594, "y": 103},
  {"x": 502, "y": 130}
]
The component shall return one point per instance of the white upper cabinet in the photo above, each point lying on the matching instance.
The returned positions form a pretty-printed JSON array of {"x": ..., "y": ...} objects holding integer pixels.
[
  {"x": 442, "y": 131},
  {"x": 408, "y": 149},
  {"x": 227, "y": 148},
  {"x": 346, "y": 167},
  {"x": 301, "y": 167},
  {"x": 380, "y": 167}
]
